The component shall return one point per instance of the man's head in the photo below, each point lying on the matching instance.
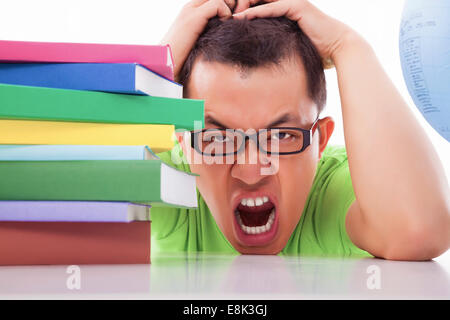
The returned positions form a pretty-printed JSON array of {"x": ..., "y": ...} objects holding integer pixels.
[
  {"x": 258, "y": 43},
  {"x": 254, "y": 75}
]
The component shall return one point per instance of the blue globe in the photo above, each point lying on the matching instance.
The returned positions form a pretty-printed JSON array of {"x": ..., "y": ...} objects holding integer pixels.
[{"x": 425, "y": 57}]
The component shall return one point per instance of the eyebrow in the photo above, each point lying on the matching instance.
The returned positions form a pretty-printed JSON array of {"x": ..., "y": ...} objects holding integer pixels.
[
  {"x": 287, "y": 117},
  {"x": 282, "y": 119},
  {"x": 214, "y": 122}
]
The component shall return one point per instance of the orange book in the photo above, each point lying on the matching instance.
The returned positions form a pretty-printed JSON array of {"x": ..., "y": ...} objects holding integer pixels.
[{"x": 73, "y": 243}]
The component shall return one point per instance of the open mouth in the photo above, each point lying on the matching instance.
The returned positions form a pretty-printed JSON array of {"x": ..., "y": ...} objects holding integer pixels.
[{"x": 255, "y": 220}]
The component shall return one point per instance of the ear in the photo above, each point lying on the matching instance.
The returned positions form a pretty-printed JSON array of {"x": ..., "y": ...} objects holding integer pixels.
[
  {"x": 326, "y": 128},
  {"x": 184, "y": 144},
  {"x": 180, "y": 136}
]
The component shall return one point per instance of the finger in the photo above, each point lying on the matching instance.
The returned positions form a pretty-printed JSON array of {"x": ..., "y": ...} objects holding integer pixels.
[
  {"x": 244, "y": 4},
  {"x": 214, "y": 8},
  {"x": 230, "y": 3},
  {"x": 196, "y": 3},
  {"x": 270, "y": 10},
  {"x": 328, "y": 63}
]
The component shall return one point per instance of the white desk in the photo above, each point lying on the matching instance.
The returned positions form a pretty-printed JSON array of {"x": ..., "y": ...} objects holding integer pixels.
[{"x": 201, "y": 276}]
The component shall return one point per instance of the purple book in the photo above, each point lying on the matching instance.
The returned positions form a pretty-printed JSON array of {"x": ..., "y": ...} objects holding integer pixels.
[{"x": 73, "y": 211}]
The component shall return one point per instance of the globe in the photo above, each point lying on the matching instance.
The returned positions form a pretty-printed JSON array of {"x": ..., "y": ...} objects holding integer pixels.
[{"x": 424, "y": 45}]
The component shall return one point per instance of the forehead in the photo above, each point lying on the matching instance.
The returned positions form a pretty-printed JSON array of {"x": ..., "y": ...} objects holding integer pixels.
[{"x": 253, "y": 98}]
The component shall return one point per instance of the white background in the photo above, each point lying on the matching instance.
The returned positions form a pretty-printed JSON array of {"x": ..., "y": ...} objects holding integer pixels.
[{"x": 146, "y": 21}]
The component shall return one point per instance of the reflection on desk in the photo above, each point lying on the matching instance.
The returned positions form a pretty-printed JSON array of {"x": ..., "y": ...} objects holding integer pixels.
[{"x": 206, "y": 276}]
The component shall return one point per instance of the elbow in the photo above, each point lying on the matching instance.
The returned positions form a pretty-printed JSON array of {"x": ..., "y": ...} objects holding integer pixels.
[
  {"x": 416, "y": 247},
  {"x": 419, "y": 242}
]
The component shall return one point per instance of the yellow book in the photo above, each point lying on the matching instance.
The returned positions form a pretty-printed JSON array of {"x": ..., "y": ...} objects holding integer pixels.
[{"x": 157, "y": 137}]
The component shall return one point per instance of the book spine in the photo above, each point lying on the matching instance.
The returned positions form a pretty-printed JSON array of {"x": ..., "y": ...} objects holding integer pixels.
[
  {"x": 70, "y": 152},
  {"x": 97, "y": 180},
  {"x": 36, "y": 103},
  {"x": 64, "y": 211},
  {"x": 76, "y": 76},
  {"x": 157, "y": 58},
  {"x": 157, "y": 137},
  {"x": 74, "y": 243}
]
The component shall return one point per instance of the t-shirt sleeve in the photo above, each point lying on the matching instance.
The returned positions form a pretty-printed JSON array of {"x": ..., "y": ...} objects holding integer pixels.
[
  {"x": 167, "y": 220},
  {"x": 167, "y": 225},
  {"x": 335, "y": 198}
]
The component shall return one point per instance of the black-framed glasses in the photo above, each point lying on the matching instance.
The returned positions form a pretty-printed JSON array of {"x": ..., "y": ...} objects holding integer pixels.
[{"x": 273, "y": 141}]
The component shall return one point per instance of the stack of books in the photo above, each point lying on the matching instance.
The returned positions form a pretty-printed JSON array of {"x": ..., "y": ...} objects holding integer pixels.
[{"x": 79, "y": 128}]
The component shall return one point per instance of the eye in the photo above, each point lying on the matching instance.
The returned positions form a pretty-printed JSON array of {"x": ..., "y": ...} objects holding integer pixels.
[
  {"x": 280, "y": 135},
  {"x": 216, "y": 137},
  {"x": 221, "y": 138}
]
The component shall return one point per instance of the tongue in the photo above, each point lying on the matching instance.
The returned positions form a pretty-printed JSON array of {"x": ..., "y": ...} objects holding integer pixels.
[{"x": 255, "y": 216}]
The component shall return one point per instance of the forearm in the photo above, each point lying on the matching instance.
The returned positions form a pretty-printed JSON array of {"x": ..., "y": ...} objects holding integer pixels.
[{"x": 398, "y": 179}]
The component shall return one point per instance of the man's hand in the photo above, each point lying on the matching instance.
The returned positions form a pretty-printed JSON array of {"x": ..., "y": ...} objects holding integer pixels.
[
  {"x": 327, "y": 34},
  {"x": 190, "y": 23}
]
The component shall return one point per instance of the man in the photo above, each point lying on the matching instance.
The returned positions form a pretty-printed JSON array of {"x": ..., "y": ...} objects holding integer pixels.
[{"x": 260, "y": 70}]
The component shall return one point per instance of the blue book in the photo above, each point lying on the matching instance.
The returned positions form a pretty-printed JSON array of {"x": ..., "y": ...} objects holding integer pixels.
[
  {"x": 128, "y": 78},
  {"x": 73, "y": 211},
  {"x": 74, "y": 152}
]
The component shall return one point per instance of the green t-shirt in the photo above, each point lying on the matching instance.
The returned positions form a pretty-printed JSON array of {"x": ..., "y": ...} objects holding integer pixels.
[{"x": 320, "y": 232}]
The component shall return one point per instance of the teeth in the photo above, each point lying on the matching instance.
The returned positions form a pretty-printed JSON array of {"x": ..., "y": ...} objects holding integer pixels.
[
  {"x": 250, "y": 202},
  {"x": 259, "y": 229},
  {"x": 258, "y": 201}
]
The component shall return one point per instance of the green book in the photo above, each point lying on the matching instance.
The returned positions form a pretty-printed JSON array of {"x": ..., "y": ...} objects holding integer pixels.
[
  {"x": 36, "y": 103},
  {"x": 142, "y": 181}
]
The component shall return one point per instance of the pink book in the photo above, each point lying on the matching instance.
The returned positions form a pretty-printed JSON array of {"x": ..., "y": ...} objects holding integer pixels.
[{"x": 157, "y": 58}]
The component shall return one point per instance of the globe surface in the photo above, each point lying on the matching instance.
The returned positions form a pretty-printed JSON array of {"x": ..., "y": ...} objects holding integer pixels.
[{"x": 424, "y": 45}]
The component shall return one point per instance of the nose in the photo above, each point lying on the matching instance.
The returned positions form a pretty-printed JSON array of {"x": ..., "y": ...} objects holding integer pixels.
[{"x": 249, "y": 165}]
